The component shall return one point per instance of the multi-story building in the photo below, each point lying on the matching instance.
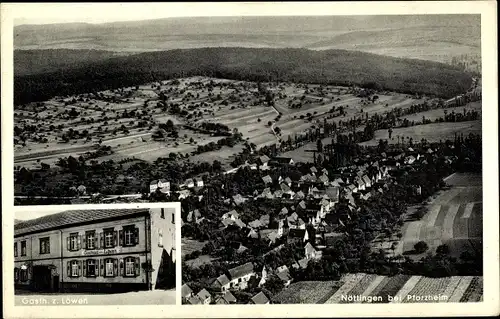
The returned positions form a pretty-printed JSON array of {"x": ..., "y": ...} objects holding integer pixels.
[{"x": 96, "y": 250}]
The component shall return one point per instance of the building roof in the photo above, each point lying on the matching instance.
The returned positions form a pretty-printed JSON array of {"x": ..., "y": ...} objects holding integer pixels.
[
  {"x": 284, "y": 275},
  {"x": 282, "y": 268},
  {"x": 366, "y": 179},
  {"x": 241, "y": 270},
  {"x": 203, "y": 294},
  {"x": 72, "y": 217},
  {"x": 259, "y": 299},
  {"x": 194, "y": 300},
  {"x": 264, "y": 159},
  {"x": 186, "y": 290},
  {"x": 333, "y": 192},
  {"x": 238, "y": 199},
  {"x": 309, "y": 247},
  {"x": 255, "y": 224},
  {"x": 285, "y": 188},
  {"x": 323, "y": 178},
  {"x": 239, "y": 223},
  {"x": 303, "y": 262},
  {"x": 220, "y": 281},
  {"x": 282, "y": 160},
  {"x": 228, "y": 296},
  {"x": 267, "y": 179}
]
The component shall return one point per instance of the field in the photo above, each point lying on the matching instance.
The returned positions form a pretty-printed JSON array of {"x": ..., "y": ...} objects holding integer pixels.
[
  {"x": 454, "y": 218},
  {"x": 189, "y": 245},
  {"x": 127, "y": 119},
  {"x": 367, "y": 288},
  {"x": 307, "y": 292},
  {"x": 431, "y": 132},
  {"x": 437, "y": 113}
]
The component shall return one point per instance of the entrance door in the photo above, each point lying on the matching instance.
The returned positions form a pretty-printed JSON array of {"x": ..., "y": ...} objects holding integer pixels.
[
  {"x": 42, "y": 278},
  {"x": 55, "y": 283}
]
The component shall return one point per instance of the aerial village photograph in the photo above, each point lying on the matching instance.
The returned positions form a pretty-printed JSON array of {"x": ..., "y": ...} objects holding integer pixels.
[
  {"x": 91, "y": 255},
  {"x": 317, "y": 159}
]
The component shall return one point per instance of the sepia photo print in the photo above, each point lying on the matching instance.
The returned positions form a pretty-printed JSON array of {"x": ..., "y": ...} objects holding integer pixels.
[{"x": 330, "y": 158}]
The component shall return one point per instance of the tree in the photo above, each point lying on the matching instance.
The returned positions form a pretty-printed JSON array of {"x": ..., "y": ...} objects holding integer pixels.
[
  {"x": 274, "y": 284},
  {"x": 319, "y": 146},
  {"x": 443, "y": 249},
  {"x": 421, "y": 247}
]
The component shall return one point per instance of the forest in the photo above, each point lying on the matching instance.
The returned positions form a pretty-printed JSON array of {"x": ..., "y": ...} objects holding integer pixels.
[{"x": 335, "y": 67}]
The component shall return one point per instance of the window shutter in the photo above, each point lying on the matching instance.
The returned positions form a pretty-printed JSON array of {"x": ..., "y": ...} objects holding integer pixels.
[
  {"x": 85, "y": 263},
  {"x": 122, "y": 268},
  {"x": 103, "y": 264},
  {"x": 115, "y": 267},
  {"x": 68, "y": 243},
  {"x": 137, "y": 266},
  {"x": 79, "y": 268},
  {"x": 120, "y": 237},
  {"x": 68, "y": 268},
  {"x": 115, "y": 238},
  {"x": 101, "y": 240},
  {"x": 136, "y": 235},
  {"x": 79, "y": 242}
]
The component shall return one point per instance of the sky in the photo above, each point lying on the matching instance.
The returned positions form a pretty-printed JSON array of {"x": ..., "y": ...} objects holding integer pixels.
[
  {"x": 47, "y": 13},
  {"x": 34, "y": 13}
]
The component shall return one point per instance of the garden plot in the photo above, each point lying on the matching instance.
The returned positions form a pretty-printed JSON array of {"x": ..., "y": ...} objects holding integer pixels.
[
  {"x": 437, "y": 113},
  {"x": 306, "y": 292},
  {"x": 433, "y": 132},
  {"x": 349, "y": 282},
  {"x": 454, "y": 218},
  {"x": 427, "y": 287}
]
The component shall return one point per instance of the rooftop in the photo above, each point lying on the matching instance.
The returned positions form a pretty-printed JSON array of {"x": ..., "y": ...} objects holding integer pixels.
[
  {"x": 241, "y": 270},
  {"x": 73, "y": 217}
]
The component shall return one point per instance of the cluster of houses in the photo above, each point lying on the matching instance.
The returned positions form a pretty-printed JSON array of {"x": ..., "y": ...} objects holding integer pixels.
[
  {"x": 219, "y": 290},
  {"x": 307, "y": 216},
  {"x": 163, "y": 185}
]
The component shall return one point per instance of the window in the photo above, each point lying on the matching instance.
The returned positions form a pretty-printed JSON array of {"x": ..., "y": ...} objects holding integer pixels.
[
  {"x": 23, "y": 248},
  {"x": 162, "y": 215},
  {"x": 109, "y": 268},
  {"x": 90, "y": 239},
  {"x": 24, "y": 274},
  {"x": 73, "y": 242},
  {"x": 91, "y": 268},
  {"x": 173, "y": 218},
  {"x": 109, "y": 235},
  {"x": 15, "y": 250},
  {"x": 129, "y": 236},
  {"x": 16, "y": 274},
  {"x": 129, "y": 266},
  {"x": 45, "y": 245},
  {"x": 73, "y": 268},
  {"x": 160, "y": 237}
]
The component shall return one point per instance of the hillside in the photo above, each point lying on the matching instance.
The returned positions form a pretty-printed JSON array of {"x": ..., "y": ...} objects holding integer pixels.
[
  {"x": 41, "y": 61},
  {"x": 295, "y": 65},
  {"x": 432, "y": 37}
]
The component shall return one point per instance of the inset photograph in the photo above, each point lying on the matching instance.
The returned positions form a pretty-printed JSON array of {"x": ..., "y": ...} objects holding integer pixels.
[{"x": 95, "y": 255}]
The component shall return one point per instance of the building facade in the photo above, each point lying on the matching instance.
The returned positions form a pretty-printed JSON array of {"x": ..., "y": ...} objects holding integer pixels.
[{"x": 96, "y": 250}]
